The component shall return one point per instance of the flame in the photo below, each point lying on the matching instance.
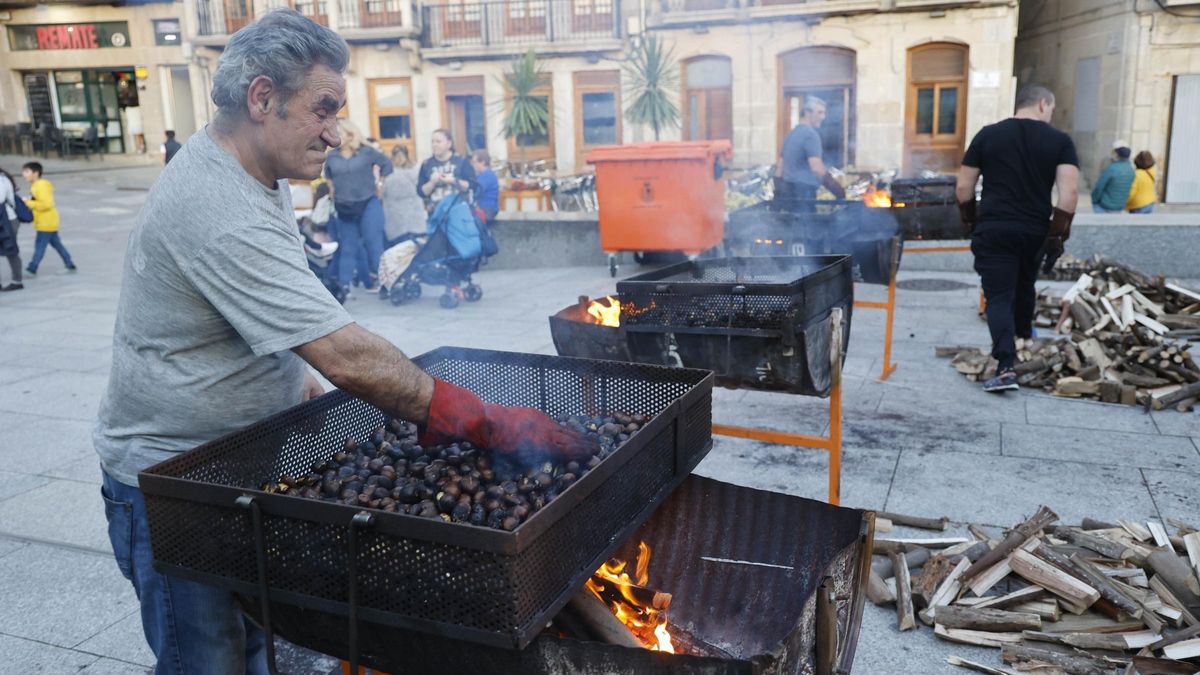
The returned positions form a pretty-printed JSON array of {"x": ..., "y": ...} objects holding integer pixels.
[
  {"x": 606, "y": 315},
  {"x": 877, "y": 199},
  {"x": 645, "y": 620}
]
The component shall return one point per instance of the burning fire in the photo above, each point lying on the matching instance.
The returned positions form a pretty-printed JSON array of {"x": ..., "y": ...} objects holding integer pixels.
[
  {"x": 606, "y": 315},
  {"x": 877, "y": 199},
  {"x": 641, "y": 609}
]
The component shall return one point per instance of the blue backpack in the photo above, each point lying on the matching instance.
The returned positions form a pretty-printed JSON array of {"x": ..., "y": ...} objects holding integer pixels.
[{"x": 24, "y": 215}]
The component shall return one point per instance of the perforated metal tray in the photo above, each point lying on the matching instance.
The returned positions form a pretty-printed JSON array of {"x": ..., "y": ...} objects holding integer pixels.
[{"x": 477, "y": 584}]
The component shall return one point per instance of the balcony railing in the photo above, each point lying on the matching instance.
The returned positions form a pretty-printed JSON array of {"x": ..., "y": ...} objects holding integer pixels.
[
  {"x": 519, "y": 22},
  {"x": 225, "y": 17}
]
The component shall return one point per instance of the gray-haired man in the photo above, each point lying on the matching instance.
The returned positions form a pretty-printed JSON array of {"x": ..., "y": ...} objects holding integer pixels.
[
  {"x": 218, "y": 313},
  {"x": 801, "y": 165}
]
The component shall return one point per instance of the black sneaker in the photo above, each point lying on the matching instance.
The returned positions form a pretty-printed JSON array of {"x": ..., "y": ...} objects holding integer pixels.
[
  {"x": 1006, "y": 381},
  {"x": 12, "y": 287}
]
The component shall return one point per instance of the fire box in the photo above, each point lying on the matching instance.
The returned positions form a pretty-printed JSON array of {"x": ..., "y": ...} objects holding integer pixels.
[{"x": 664, "y": 196}]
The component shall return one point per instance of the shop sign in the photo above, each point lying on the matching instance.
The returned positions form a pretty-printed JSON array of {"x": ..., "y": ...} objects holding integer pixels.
[{"x": 59, "y": 36}]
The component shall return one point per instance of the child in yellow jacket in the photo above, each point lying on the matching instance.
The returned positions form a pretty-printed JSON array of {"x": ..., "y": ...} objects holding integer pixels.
[
  {"x": 45, "y": 218},
  {"x": 1141, "y": 194}
]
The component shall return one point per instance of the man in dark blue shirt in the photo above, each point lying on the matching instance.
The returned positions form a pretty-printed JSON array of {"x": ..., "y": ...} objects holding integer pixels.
[{"x": 1021, "y": 159}]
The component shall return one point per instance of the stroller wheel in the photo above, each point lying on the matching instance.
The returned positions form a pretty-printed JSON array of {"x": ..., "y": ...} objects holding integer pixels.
[
  {"x": 448, "y": 301},
  {"x": 397, "y": 295},
  {"x": 412, "y": 290},
  {"x": 473, "y": 293}
]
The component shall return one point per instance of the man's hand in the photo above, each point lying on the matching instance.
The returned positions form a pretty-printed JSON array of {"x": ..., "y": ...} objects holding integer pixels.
[
  {"x": 966, "y": 211},
  {"x": 456, "y": 414},
  {"x": 312, "y": 388},
  {"x": 1052, "y": 250}
]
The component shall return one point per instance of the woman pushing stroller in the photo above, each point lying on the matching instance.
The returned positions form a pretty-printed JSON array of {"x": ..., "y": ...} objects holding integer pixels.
[{"x": 354, "y": 171}]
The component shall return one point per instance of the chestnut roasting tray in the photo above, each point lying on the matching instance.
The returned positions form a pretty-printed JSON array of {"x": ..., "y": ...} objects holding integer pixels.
[{"x": 211, "y": 522}]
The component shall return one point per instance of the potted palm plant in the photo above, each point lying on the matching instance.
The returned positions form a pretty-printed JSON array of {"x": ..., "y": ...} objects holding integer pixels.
[
  {"x": 528, "y": 114},
  {"x": 653, "y": 77}
]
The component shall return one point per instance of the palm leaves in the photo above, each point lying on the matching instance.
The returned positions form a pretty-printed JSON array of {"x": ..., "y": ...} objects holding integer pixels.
[
  {"x": 528, "y": 114},
  {"x": 654, "y": 79}
]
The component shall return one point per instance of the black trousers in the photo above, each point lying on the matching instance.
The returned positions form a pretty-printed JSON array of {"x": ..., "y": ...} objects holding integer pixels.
[{"x": 1007, "y": 263}]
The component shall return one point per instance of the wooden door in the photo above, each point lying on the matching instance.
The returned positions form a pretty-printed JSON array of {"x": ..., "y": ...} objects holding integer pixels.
[
  {"x": 237, "y": 15},
  {"x": 935, "y": 108}
]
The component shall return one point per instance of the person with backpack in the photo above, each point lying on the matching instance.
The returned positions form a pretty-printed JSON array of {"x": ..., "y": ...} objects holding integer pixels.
[{"x": 12, "y": 214}]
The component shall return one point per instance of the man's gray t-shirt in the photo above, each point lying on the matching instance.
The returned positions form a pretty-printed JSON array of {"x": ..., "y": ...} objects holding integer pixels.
[
  {"x": 216, "y": 291},
  {"x": 801, "y": 143}
]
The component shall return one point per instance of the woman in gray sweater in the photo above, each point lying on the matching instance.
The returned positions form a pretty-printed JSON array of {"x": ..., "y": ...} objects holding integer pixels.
[
  {"x": 351, "y": 170},
  {"x": 402, "y": 206}
]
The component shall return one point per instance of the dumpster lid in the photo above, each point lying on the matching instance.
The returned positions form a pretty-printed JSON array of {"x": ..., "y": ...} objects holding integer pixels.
[{"x": 661, "y": 150}]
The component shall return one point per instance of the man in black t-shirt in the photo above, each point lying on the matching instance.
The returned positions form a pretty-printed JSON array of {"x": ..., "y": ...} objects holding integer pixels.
[
  {"x": 1015, "y": 226},
  {"x": 171, "y": 147}
]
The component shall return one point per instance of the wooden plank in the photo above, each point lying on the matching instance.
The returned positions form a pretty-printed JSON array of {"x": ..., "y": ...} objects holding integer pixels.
[
  {"x": 1191, "y": 542},
  {"x": 1184, "y": 291},
  {"x": 976, "y": 637},
  {"x": 1047, "y": 609},
  {"x": 938, "y": 524},
  {"x": 947, "y": 591},
  {"x": 904, "y": 607},
  {"x": 1188, "y": 649},
  {"x": 878, "y": 591},
  {"x": 1159, "y": 533},
  {"x": 1090, "y": 622},
  {"x": 977, "y": 667},
  {"x": 1051, "y": 578},
  {"x": 991, "y": 620},
  {"x": 1018, "y": 536},
  {"x": 1110, "y": 641},
  {"x": 1027, "y": 594},
  {"x": 1121, "y": 291},
  {"x": 1149, "y": 665},
  {"x": 1135, "y": 529}
]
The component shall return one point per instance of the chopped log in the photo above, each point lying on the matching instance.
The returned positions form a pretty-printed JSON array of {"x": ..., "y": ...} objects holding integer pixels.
[
  {"x": 1092, "y": 524},
  {"x": 977, "y": 667},
  {"x": 882, "y": 525},
  {"x": 992, "y": 620},
  {"x": 603, "y": 623},
  {"x": 1015, "y": 538},
  {"x": 1108, "y": 590},
  {"x": 1027, "y": 594},
  {"x": 1185, "y": 634},
  {"x": 1051, "y": 578},
  {"x": 1149, "y": 665},
  {"x": 1159, "y": 533},
  {"x": 1047, "y": 609},
  {"x": 1178, "y": 576},
  {"x": 1075, "y": 663},
  {"x": 1088, "y": 540},
  {"x": 1150, "y": 323},
  {"x": 927, "y": 582},
  {"x": 954, "y": 350},
  {"x": 1075, "y": 386},
  {"x": 938, "y": 524},
  {"x": 1188, "y": 649},
  {"x": 904, "y": 607},
  {"x": 947, "y": 591},
  {"x": 930, "y": 542},
  {"x": 916, "y": 556},
  {"x": 1108, "y": 641},
  {"x": 1189, "y": 391},
  {"x": 878, "y": 591},
  {"x": 1194, "y": 296},
  {"x": 1160, "y": 587},
  {"x": 1090, "y": 622},
  {"x": 978, "y": 638},
  {"x": 1191, "y": 542},
  {"x": 1135, "y": 529}
]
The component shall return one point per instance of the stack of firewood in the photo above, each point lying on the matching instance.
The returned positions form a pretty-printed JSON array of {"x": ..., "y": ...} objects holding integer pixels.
[
  {"x": 1094, "y": 598},
  {"x": 1115, "y": 335}
]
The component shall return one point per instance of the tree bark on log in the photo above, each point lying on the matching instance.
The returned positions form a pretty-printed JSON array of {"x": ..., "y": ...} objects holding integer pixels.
[{"x": 1019, "y": 534}]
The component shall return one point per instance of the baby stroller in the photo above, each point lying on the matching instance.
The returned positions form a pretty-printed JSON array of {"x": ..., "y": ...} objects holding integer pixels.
[
  {"x": 320, "y": 255},
  {"x": 455, "y": 242}
]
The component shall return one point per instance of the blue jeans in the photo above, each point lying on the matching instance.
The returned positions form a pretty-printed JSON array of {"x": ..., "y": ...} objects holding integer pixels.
[
  {"x": 371, "y": 229},
  {"x": 1149, "y": 208},
  {"x": 192, "y": 628},
  {"x": 1096, "y": 208},
  {"x": 43, "y": 240}
]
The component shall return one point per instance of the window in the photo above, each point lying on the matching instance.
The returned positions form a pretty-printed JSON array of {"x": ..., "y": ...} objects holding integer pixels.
[
  {"x": 936, "y": 107},
  {"x": 597, "y": 111},
  {"x": 537, "y": 146},
  {"x": 317, "y": 10},
  {"x": 461, "y": 20},
  {"x": 707, "y": 98},
  {"x": 237, "y": 15},
  {"x": 463, "y": 112},
  {"x": 166, "y": 32},
  {"x": 526, "y": 17},
  {"x": 827, "y": 73},
  {"x": 391, "y": 113},
  {"x": 592, "y": 16}
]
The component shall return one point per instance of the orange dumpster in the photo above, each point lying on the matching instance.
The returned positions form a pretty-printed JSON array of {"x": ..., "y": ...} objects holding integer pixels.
[{"x": 662, "y": 196}]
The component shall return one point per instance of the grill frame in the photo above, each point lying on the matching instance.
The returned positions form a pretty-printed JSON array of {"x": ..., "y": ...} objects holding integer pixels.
[{"x": 198, "y": 531}]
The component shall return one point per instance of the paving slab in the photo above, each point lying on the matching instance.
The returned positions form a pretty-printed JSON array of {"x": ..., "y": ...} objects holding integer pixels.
[
  {"x": 954, "y": 405},
  {"x": 1046, "y": 410},
  {"x": 884, "y": 650},
  {"x": 1175, "y": 423},
  {"x": 34, "y": 444},
  {"x": 60, "y": 596},
  {"x": 866, "y": 474},
  {"x": 71, "y": 360},
  {"x": 112, "y": 667},
  {"x": 1175, "y": 493},
  {"x": 85, "y": 469},
  {"x": 13, "y": 371},
  {"x": 888, "y": 430},
  {"x": 56, "y": 394},
  {"x": 13, "y": 485},
  {"x": 123, "y": 641},
  {"x": 30, "y": 656},
  {"x": 8, "y": 546},
  {"x": 1001, "y": 491},
  {"x": 58, "y": 511},
  {"x": 1114, "y": 448}
]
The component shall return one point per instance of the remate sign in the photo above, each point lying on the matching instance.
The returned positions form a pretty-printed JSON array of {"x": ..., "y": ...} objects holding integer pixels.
[
  {"x": 67, "y": 36},
  {"x": 62, "y": 36}
]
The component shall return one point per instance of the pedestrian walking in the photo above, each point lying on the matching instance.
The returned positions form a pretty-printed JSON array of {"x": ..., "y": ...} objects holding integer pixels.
[
  {"x": 45, "y": 219},
  {"x": 1015, "y": 227},
  {"x": 444, "y": 173},
  {"x": 1142, "y": 194},
  {"x": 403, "y": 208},
  {"x": 801, "y": 162},
  {"x": 1111, "y": 191},
  {"x": 170, "y": 147},
  {"x": 487, "y": 192},
  {"x": 360, "y": 220},
  {"x": 9, "y": 225},
  {"x": 218, "y": 314}
]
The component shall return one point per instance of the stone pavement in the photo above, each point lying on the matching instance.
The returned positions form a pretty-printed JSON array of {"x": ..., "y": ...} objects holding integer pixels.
[{"x": 924, "y": 442}]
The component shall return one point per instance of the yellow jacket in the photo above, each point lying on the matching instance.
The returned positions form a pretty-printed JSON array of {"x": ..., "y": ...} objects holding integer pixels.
[
  {"x": 41, "y": 202},
  {"x": 1141, "y": 193}
]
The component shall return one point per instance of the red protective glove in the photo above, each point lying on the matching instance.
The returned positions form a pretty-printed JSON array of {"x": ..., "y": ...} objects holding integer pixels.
[{"x": 456, "y": 414}]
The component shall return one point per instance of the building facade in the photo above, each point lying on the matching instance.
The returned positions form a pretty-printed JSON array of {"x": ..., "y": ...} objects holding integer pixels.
[
  {"x": 123, "y": 71},
  {"x": 1122, "y": 70}
]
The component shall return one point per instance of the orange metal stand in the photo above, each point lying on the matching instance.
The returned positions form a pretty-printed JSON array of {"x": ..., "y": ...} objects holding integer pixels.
[
  {"x": 831, "y": 443},
  {"x": 890, "y": 308}
]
